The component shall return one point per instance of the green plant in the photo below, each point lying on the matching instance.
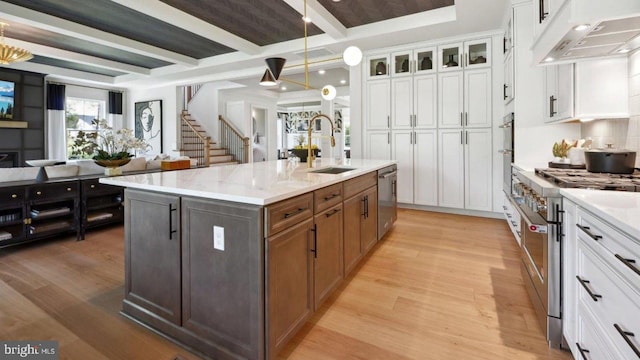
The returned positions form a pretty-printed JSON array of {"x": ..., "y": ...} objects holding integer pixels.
[{"x": 562, "y": 149}]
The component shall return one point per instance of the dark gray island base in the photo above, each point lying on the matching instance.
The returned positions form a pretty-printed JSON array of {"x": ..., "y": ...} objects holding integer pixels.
[{"x": 232, "y": 280}]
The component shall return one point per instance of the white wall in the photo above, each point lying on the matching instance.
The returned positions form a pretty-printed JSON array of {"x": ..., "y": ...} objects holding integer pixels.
[
  {"x": 170, "y": 113},
  {"x": 633, "y": 133}
]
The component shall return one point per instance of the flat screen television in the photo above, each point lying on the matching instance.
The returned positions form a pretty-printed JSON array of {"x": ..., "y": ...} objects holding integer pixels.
[{"x": 6, "y": 99}]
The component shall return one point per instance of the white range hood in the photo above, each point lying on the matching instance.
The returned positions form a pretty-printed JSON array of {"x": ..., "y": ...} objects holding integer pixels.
[{"x": 613, "y": 28}]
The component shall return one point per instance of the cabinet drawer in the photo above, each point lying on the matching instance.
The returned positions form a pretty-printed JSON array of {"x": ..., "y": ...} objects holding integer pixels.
[
  {"x": 53, "y": 191},
  {"x": 621, "y": 251},
  {"x": 613, "y": 302},
  {"x": 361, "y": 183},
  {"x": 11, "y": 196},
  {"x": 284, "y": 214},
  {"x": 94, "y": 187},
  {"x": 590, "y": 344},
  {"x": 327, "y": 197}
]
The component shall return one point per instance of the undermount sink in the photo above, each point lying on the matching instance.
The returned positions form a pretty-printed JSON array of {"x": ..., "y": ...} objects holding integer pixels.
[{"x": 332, "y": 170}]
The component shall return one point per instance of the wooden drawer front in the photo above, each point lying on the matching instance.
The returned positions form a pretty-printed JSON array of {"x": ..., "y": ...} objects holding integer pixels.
[
  {"x": 611, "y": 299},
  {"x": 284, "y": 214},
  {"x": 359, "y": 184},
  {"x": 94, "y": 187},
  {"x": 327, "y": 197},
  {"x": 590, "y": 344},
  {"x": 621, "y": 251},
  {"x": 53, "y": 191},
  {"x": 11, "y": 196}
]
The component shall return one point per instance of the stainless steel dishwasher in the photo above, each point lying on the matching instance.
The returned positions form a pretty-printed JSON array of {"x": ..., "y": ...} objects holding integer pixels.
[{"x": 387, "y": 198}]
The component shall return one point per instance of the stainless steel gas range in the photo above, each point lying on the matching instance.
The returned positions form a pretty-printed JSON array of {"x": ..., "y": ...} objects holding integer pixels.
[{"x": 540, "y": 206}]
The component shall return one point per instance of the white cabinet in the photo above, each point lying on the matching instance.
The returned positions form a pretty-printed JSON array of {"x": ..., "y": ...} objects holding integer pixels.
[
  {"x": 416, "y": 153},
  {"x": 465, "y": 55},
  {"x": 601, "y": 288},
  {"x": 425, "y": 100},
  {"x": 464, "y": 160},
  {"x": 378, "y": 104},
  {"x": 413, "y": 62},
  {"x": 590, "y": 89},
  {"x": 402, "y": 103},
  {"x": 378, "y": 145},
  {"x": 465, "y": 99},
  {"x": 478, "y": 170},
  {"x": 378, "y": 66},
  {"x": 558, "y": 92},
  {"x": 508, "y": 87}
]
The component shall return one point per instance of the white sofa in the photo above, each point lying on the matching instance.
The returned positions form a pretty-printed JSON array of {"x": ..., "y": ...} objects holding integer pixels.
[{"x": 73, "y": 168}]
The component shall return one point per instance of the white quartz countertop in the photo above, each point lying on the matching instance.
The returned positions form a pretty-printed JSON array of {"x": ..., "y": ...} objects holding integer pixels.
[
  {"x": 259, "y": 183},
  {"x": 619, "y": 208}
]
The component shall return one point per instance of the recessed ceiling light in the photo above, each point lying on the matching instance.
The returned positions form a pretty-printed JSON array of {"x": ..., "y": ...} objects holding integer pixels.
[
  {"x": 548, "y": 59},
  {"x": 582, "y": 27},
  {"x": 623, "y": 51},
  {"x": 343, "y": 81},
  {"x": 321, "y": 71},
  {"x": 283, "y": 88}
]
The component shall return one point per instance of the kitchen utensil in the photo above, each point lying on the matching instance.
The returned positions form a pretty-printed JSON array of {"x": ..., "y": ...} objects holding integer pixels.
[{"x": 615, "y": 161}]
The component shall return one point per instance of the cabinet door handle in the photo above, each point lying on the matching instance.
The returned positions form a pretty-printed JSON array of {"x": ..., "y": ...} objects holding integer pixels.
[
  {"x": 327, "y": 198},
  {"x": 466, "y": 118},
  {"x": 364, "y": 206},
  {"x": 388, "y": 121},
  {"x": 335, "y": 211},
  {"x": 388, "y": 138},
  {"x": 171, "y": 230},
  {"x": 552, "y": 100},
  {"x": 625, "y": 335},
  {"x": 466, "y": 138},
  {"x": 582, "y": 351},
  {"x": 584, "y": 283},
  {"x": 586, "y": 231},
  {"x": 394, "y": 188},
  {"x": 461, "y": 119},
  {"x": 415, "y": 137},
  {"x": 504, "y": 91},
  {"x": 461, "y": 137},
  {"x": 315, "y": 241},
  {"x": 290, "y": 214},
  {"x": 629, "y": 263},
  {"x": 542, "y": 14}
]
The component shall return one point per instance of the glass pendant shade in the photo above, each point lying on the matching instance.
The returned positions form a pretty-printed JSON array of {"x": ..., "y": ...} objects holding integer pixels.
[
  {"x": 352, "y": 56},
  {"x": 267, "y": 79},
  {"x": 328, "y": 92},
  {"x": 275, "y": 65}
]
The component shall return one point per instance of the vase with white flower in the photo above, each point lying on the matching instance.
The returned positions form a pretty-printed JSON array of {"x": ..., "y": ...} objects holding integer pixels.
[{"x": 111, "y": 148}]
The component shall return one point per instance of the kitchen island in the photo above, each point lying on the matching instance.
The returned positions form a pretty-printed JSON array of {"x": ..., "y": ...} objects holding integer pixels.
[{"x": 231, "y": 261}]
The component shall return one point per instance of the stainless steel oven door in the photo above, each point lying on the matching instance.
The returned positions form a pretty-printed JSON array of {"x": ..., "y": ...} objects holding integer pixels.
[{"x": 534, "y": 232}]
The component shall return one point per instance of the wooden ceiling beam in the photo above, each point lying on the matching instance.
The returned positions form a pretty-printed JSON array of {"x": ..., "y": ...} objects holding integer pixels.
[
  {"x": 39, "y": 20},
  {"x": 181, "y": 19}
]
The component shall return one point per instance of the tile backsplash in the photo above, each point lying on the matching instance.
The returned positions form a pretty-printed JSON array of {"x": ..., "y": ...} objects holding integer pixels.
[{"x": 622, "y": 133}]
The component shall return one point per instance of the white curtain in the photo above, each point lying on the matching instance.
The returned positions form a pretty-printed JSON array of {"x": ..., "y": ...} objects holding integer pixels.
[
  {"x": 56, "y": 135},
  {"x": 114, "y": 117}
]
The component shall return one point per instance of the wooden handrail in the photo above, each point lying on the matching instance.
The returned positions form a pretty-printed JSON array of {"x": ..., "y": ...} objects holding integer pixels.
[
  {"x": 233, "y": 128},
  {"x": 184, "y": 119}
]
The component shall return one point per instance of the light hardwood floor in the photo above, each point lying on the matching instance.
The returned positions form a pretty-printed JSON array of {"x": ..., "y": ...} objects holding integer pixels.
[{"x": 438, "y": 286}]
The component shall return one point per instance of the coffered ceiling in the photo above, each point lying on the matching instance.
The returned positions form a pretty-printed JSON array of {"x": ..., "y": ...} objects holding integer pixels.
[{"x": 142, "y": 43}]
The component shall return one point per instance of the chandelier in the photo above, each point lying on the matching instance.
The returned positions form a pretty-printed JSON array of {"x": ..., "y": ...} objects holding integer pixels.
[
  {"x": 351, "y": 56},
  {"x": 11, "y": 54}
]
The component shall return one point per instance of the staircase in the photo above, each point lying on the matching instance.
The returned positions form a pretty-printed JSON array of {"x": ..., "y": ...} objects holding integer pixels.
[{"x": 197, "y": 144}]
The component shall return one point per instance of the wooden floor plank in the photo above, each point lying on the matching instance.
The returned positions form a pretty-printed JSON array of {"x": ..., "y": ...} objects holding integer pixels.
[{"x": 439, "y": 286}]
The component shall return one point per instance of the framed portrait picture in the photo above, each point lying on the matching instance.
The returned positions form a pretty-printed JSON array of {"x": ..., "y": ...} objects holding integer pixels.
[{"x": 148, "y": 124}]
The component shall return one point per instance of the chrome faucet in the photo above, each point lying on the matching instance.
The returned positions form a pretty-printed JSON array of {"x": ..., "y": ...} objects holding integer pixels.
[{"x": 310, "y": 156}]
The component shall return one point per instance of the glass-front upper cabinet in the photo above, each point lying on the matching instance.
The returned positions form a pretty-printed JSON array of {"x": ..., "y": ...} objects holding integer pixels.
[
  {"x": 378, "y": 66},
  {"x": 465, "y": 55},
  {"x": 450, "y": 57},
  {"x": 478, "y": 53},
  {"x": 413, "y": 62}
]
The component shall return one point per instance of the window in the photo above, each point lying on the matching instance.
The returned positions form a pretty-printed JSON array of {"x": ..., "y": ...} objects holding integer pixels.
[{"x": 79, "y": 115}]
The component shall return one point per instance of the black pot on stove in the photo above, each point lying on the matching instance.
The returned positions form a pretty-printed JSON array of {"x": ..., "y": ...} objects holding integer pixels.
[{"x": 615, "y": 161}]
